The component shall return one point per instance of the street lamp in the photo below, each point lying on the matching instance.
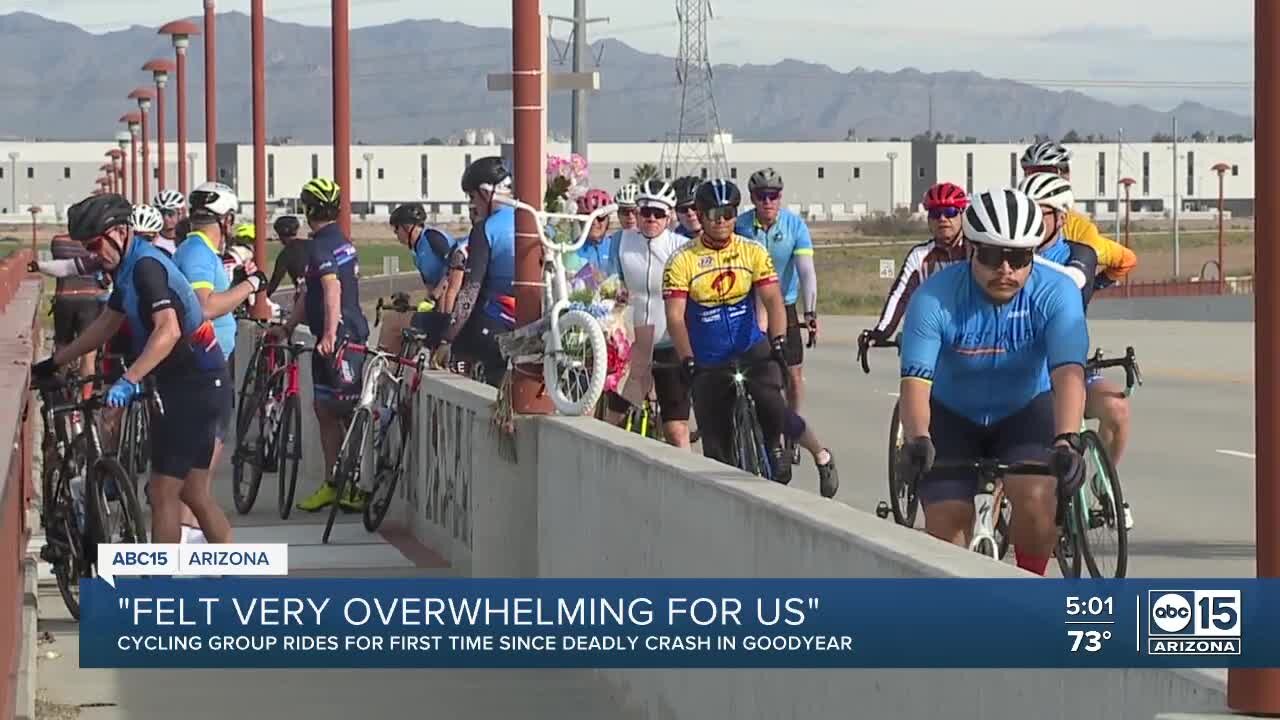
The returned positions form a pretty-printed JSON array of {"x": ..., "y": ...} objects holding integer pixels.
[
  {"x": 893, "y": 156},
  {"x": 34, "y": 210},
  {"x": 160, "y": 70},
  {"x": 191, "y": 167},
  {"x": 108, "y": 172},
  {"x": 114, "y": 154},
  {"x": 144, "y": 96},
  {"x": 1221, "y": 169},
  {"x": 341, "y": 23},
  {"x": 13, "y": 187},
  {"x": 368, "y": 185},
  {"x": 123, "y": 140},
  {"x": 134, "y": 121},
  {"x": 210, "y": 94},
  {"x": 181, "y": 32}
]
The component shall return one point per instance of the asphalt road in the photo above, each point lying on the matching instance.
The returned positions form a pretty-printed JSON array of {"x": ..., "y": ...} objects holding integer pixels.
[{"x": 1188, "y": 474}]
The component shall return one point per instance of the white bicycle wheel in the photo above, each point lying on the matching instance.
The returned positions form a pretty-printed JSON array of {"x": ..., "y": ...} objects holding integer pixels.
[{"x": 575, "y": 376}]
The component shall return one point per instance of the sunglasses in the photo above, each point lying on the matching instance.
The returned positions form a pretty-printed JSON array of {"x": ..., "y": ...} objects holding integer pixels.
[
  {"x": 946, "y": 212},
  {"x": 684, "y": 209},
  {"x": 626, "y": 211},
  {"x": 721, "y": 214},
  {"x": 993, "y": 257},
  {"x": 767, "y": 195},
  {"x": 652, "y": 213},
  {"x": 602, "y": 219}
]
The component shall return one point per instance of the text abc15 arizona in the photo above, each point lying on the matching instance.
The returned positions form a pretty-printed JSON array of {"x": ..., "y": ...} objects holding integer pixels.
[{"x": 1194, "y": 622}]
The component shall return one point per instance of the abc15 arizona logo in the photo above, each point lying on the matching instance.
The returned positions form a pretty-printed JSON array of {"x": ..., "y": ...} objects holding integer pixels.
[{"x": 1194, "y": 622}]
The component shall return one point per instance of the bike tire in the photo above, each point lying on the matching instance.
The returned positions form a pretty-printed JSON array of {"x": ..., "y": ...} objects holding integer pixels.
[
  {"x": 903, "y": 499},
  {"x": 1109, "y": 516},
  {"x": 250, "y": 384},
  {"x": 289, "y": 454},
  {"x": 97, "y": 517},
  {"x": 747, "y": 454},
  {"x": 132, "y": 526},
  {"x": 60, "y": 510},
  {"x": 555, "y": 366},
  {"x": 141, "y": 439},
  {"x": 1067, "y": 550},
  {"x": 346, "y": 470},
  {"x": 389, "y": 466},
  {"x": 249, "y": 457}
]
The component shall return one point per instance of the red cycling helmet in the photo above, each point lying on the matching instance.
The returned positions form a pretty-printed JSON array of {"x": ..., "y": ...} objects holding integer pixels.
[
  {"x": 593, "y": 200},
  {"x": 946, "y": 195}
]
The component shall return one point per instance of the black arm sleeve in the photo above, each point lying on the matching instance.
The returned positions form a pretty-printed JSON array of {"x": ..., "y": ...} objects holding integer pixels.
[
  {"x": 1085, "y": 259},
  {"x": 297, "y": 264},
  {"x": 469, "y": 295},
  {"x": 277, "y": 272},
  {"x": 152, "y": 283}
]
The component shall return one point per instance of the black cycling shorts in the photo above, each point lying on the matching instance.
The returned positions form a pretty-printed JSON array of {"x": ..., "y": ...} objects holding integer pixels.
[
  {"x": 337, "y": 382},
  {"x": 72, "y": 316},
  {"x": 713, "y": 397},
  {"x": 795, "y": 343},
  {"x": 675, "y": 401},
  {"x": 1024, "y": 436},
  {"x": 433, "y": 324},
  {"x": 478, "y": 343},
  {"x": 182, "y": 439}
]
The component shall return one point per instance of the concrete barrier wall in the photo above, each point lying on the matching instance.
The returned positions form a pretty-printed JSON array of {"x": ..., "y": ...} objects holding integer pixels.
[{"x": 1225, "y": 308}]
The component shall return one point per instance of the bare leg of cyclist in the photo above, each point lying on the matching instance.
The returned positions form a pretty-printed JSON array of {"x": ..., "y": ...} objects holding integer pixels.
[
  {"x": 1034, "y": 532},
  {"x": 331, "y": 432},
  {"x": 950, "y": 521},
  {"x": 86, "y": 369},
  {"x": 795, "y": 389},
  {"x": 166, "y": 508},
  {"x": 191, "y": 525},
  {"x": 1105, "y": 400},
  {"x": 197, "y": 495},
  {"x": 677, "y": 433}
]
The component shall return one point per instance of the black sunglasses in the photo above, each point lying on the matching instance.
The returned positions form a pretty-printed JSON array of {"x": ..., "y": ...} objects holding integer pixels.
[
  {"x": 722, "y": 213},
  {"x": 993, "y": 257},
  {"x": 946, "y": 212},
  {"x": 652, "y": 213}
]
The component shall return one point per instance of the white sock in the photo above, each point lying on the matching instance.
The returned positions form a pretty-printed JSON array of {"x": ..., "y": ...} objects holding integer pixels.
[{"x": 192, "y": 536}]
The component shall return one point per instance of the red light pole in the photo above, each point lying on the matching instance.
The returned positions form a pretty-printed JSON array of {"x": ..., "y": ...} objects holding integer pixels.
[
  {"x": 122, "y": 143},
  {"x": 160, "y": 70},
  {"x": 1256, "y": 691},
  {"x": 134, "y": 121},
  {"x": 1221, "y": 169},
  {"x": 210, "y": 94},
  {"x": 35, "y": 210},
  {"x": 144, "y": 96},
  {"x": 108, "y": 173},
  {"x": 181, "y": 31},
  {"x": 258, "y": 53},
  {"x": 118, "y": 164},
  {"x": 1128, "y": 184},
  {"x": 342, "y": 108}
]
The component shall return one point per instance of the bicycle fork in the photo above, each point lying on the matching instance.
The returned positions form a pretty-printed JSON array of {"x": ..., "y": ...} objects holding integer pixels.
[{"x": 984, "y": 522}]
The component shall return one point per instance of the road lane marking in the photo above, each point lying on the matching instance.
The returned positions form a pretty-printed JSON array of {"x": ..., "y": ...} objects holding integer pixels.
[
  {"x": 1237, "y": 453},
  {"x": 892, "y": 394}
]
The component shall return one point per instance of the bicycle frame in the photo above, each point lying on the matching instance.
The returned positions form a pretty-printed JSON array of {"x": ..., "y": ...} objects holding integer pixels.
[{"x": 555, "y": 285}]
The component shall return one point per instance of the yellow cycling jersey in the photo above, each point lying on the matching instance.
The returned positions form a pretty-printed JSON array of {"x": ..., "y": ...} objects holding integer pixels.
[
  {"x": 1114, "y": 260},
  {"x": 718, "y": 285}
]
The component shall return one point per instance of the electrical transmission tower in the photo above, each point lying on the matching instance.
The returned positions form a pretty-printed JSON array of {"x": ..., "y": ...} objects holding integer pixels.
[{"x": 696, "y": 144}]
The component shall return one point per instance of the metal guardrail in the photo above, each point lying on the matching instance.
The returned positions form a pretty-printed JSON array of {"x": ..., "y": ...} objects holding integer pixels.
[{"x": 1178, "y": 288}]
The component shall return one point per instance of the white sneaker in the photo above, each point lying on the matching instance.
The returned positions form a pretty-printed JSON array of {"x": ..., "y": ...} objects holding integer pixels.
[{"x": 192, "y": 536}]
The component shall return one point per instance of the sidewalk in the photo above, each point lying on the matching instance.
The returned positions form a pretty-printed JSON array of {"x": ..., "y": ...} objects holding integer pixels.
[{"x": 67, "y": 691}]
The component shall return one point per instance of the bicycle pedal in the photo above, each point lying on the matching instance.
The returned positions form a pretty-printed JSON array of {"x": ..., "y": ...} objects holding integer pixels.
[{"x": 882, "y": 510}]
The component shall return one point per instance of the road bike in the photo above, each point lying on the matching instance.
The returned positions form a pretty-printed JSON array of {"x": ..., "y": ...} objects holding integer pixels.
[
  {"x": 568, "y": 342},
  {"x": 88, "y": 499},
  {"x": 269, "y": 423},
  {"x": 372, "y": 422},
  {"x": 903, "y": 502},
  {"x": 991, "y": 519},
  {"x": 748, "y": 450}
]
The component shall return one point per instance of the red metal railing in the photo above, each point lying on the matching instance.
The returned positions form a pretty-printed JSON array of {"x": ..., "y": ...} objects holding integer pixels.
[{"x": 1177, "y": 288}]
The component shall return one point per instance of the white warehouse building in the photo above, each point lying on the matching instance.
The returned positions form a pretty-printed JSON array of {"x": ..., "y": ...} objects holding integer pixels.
[{"x": 824, "y": 180}]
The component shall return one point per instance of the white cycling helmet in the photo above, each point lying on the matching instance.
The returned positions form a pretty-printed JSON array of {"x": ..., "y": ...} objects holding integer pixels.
[
  {"x": 1049, "y": 189},
  {"x": 214, "y": 198},
  {"x": 657, "y": 193},
  {"x": 627, "y": 194},
  {"x": 1046, "y": 154},
  {"x": 146, "y": 219},
  {"x": 169, "y": 200},
  {"x": 1004, "y": 218}
]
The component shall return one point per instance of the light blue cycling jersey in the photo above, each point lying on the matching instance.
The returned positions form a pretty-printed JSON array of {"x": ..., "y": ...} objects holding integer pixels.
[
  {"x": 787, "y": 238},
  {"x": 430, "y": 265},
  {"x": 988, "y": 361},
  {"x": 203, "y": 268}
]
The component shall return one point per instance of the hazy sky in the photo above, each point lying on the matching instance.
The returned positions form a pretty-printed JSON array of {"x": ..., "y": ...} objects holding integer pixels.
[{"x": 1155, "y": 52}]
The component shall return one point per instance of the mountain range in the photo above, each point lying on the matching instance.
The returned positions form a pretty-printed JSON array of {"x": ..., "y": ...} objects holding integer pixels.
[{"x": 424, "y": 80}]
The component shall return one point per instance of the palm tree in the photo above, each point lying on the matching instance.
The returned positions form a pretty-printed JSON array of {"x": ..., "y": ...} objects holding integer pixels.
[{"x": 644, "y": 171}]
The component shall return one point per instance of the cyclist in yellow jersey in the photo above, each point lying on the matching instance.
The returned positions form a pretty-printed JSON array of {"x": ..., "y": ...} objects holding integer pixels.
[{"x": 1106, "y": 400}]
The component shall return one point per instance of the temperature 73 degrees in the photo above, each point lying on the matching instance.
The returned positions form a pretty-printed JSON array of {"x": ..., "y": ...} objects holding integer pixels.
[{"x": 1091, "y": 640}]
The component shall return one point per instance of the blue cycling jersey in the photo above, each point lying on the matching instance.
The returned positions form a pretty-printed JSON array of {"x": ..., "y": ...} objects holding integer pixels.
[
  {"x": 787, "y": 238},
  {"x": 202, "y": 265},
  {"x": 988, "y": 361},
  {"x": 500, "y": 276},
  {"x": 600, "y": 254},
  {"x": 432, "y": 266}
]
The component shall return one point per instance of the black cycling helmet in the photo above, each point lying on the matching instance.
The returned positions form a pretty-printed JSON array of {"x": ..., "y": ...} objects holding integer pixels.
[
  {"x": 287, "y": 226},
  {"x": 487, "y": 173},
  {"x": 96, "y": 214},
  {"x": 685, "y": 188},
  {"x": 409, "y": 215},
  {"x": 715, "y": 193}
]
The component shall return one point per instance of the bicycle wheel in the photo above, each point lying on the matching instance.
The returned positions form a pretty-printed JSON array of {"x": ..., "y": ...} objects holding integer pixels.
[
  {"x": 250, "y": 456},
  {"x": 141, "y": 439},
  {"x": 251, "y": 384},
  {"x": 66, "y": 541},
  {"x": 289, "y": 454},
  {"x": 1104, "y": 536},
  {"x": 902, "y": 492},
  {"x": 388, "y": 467},
  {"x": 575, "y": 376},
  {"x": 1068, "y": 548},
  {"x": 748, "y": 441},
  {"x": 126, "y": 526},
  {"x": 346, "y": 471}
]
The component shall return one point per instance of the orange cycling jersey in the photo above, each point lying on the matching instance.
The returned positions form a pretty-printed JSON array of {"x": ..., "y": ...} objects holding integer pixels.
[{"x": 1114, "y": 260}]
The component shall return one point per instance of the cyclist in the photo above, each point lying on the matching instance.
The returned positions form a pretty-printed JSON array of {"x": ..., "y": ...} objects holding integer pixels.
[
  {"x": 710, "y": 287},
  {"x": 147, "y": 223},
  {"x": 81, "y": 291},
  {"x": 992, "y": 367},
  {"x": 628, "y": 214},
  {"x": 171, "y": 205},
  {"x": 687, "y": 215},
  {"x": 433, "y": 251},
  {"x": 642, "y": 255},
  {"x": 1115, "y": 260},
  {"x": 485, "y": 304},
  {"x": 945, "y": 203},
  {"x": 174, "y": 344},
  {"x": 292, "y": 260},
  {"x": 598, "y": 251},
  {"x": 786, "y": 236},
  {"x": 330, "y": 303}
]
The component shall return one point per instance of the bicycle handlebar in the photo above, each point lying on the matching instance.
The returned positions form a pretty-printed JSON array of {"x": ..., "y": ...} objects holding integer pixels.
[
  {"x": 541, "y": 216},
  {"x": 995, "y": 468},
  {"x": 867, "y": 344},
  {"x": 98, "y": 399},
  {"x": 1132, "y": 373}
]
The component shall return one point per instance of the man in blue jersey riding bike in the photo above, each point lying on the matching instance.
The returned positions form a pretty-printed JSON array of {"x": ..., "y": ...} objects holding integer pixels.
[
  {"x": 710, "y": 287},
  {"x": 993, "y": 354},
  {"x": 172, "y": 343}
]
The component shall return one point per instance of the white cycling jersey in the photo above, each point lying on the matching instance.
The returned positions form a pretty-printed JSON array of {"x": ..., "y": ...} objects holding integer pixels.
[{"x": 641, "y": 262}]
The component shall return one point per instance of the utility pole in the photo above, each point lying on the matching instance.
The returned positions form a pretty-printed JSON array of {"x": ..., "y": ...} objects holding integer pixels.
[
  {"x": 1177, "y": 241},
  {"x": 1119, "y": 174},
  {"x": 580, "y": 47}
]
